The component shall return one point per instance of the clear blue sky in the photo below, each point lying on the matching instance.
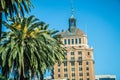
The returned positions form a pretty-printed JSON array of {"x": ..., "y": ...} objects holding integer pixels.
[{"x": 102, "y": 18}]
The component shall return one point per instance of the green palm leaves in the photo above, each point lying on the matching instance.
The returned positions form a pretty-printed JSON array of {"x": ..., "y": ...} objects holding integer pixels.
[
  {"x": 29, "y": 45},
  {"x": 13, "y": 7}
]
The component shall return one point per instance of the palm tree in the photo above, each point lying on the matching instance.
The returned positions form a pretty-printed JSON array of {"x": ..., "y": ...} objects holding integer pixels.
[
  {"x": 13, "y": 7},
  {"x": 29, "y": 46}
]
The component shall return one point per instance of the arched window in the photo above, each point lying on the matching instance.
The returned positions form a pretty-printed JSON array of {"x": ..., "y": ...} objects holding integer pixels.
[
  {"x": 79, "y": 40},
  {"x": 87, "y": 63},
  {"x": 76, "y": 41},
  {"x": 65, "y": 41},
  {"x": 72, "y": 41},
  {"x": 68, "y": 41}
]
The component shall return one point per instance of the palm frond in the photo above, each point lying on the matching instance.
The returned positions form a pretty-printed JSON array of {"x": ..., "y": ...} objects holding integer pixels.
[{"x": 29, "y": 45}]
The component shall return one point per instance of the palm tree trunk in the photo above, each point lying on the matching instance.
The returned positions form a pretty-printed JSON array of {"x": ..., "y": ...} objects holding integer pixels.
[
  {"x": 21, "y": 76},
  {"x": 41, "y": 77}
]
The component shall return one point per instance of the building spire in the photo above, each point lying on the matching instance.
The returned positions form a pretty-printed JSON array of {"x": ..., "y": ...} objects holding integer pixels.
[
  {"x": 72, "y": 9},
  {"x": 72, "y": 20}
]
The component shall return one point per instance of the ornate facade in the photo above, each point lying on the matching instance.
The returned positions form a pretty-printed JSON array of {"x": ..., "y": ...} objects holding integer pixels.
[{"x": 79, "y": 61}]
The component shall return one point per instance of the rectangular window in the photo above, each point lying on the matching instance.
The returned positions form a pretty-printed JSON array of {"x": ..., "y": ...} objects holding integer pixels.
[
  {"x": 68, "y": 41},
  {"x": 80, "y": 53},
  {"x": 80, "y": 63},
  {"x": 65, "y": 63},
  {"x": 65, "y": 75},
  {"x": 65, "y": 69},
  {"x": 81, "y": 79},
  {"x": 72, "y": 53},
  {"x": 58, "y": 75},
  {"x": 87, "y": 63},
  {"x": 80, "y": 68},
  {"x": 72, "y": 58},
  {"x": 59, "y": 64},
  {"x": 88, "y": 79},
  {"x": 88, "y": 53},
  {"x": 87, "y": 68},
  {"x": 72, "y": 63},
  {"x": 80, "y": 74},
  {"x": 65, "y": 59},
  {"x": 58, "y": 70},
  {"x": 76, "y": 41},
  {"x": 80, "y": 58},
  {"x": 73, "y": 74},
  {"x": 79, "y": 40},
  {"x": 72, "y": 41},
  {"x": 65, "y": 53},
  {"x": 87, "y": 74},
  {"x": 73, "y": 69},
  {"x": 65, "y": 41}
]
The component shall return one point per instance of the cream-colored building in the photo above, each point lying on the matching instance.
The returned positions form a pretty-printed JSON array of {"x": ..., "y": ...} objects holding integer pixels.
[{"x": 79, "y": 61}]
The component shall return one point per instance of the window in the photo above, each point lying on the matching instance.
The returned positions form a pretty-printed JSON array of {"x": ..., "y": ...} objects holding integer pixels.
[
  {"x": 59, "y": 64},
  {"x": 73, "y": 74},
  {"x": 58, "y": 75},
  {"x": 81, "y": 79},
  {"x": 87, "y": 63},
  {"x": 58, "y": 70},
  {"x": 65, "y": 58},
  {"x": 72, "y": 63},
  {"x": 88, "y": 53},
  {"x": 65, "y": 41},
  {"x": 68, "y": 41},
  {"x": 87, "y": 74},
  {"x": 65, "y": 69},
  {"x": 88, "y": 79},
  {"x": 80, "y": 58},
  {"x": 65, "y": 53},
  {"x": 72, "y": 58},
  {"x": 65, "y": 63},
  {"x": 72, "y": 53},
  {"x": 80, "y": 63},
  {"x": 87, "y": 68},
  {"x": 80, "y": 74},
  {"x": 79, "y": 53},
  {"x": 79, "y": 40},
  {"x": 65, "y": 75},
  {"x": 73, "y": 69},
  {"x": 76, "y": 41},
  {"x": 80, "y": 68},
  {"x": 72, "y": 41}
]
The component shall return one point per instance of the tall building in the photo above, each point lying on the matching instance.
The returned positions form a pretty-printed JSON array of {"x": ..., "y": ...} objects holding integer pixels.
[
  {"x": 105, "y": 77},
  {"x": 79, "y": 61}
]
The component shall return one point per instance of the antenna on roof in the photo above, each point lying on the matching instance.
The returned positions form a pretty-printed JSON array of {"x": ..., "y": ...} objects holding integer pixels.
[{"x": 72, "y": 9}]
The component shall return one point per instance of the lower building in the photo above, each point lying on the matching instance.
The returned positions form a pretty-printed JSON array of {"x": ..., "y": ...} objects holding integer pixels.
[{"x": 105, "y": 77}]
